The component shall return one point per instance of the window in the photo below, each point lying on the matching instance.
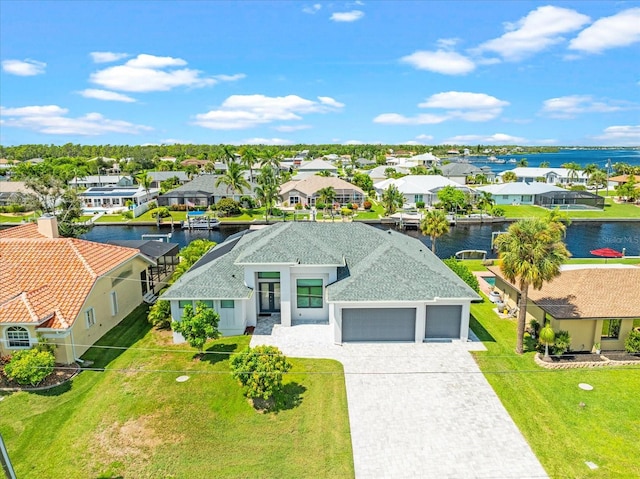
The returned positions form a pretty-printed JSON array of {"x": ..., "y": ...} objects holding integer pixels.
[
  {"x": 18, "y": 337},
  {"x": 207, "y": 303},
  {"x": 526, "y": 198},
  {"x": 114, "y": 303},
  {"x": 611, "y": 328},
  {"x": 505, "y": 197},
  {"x": 122, "y": 276},
  {"x": 269, "y": 275},
  {"x": 294, "y": 200},
  {"x": 309, "y": 293},
  {"x": 227, "y": 303},
  {"x": 90, "y": 317},
  {"x": 182, "y": 304},
  {"x": 418, "y": 198}
]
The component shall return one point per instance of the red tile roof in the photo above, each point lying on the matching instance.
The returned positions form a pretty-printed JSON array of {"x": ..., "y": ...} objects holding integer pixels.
[{"x": 46, "y": 280}]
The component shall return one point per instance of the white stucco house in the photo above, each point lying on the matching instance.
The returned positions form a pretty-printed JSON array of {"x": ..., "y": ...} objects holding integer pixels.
[
  {"x": 554, "y": 176},
  {"x": 416, "y": 188},
  {"x": 518, "y": 193},
  {"x": 368, "y": 284}
]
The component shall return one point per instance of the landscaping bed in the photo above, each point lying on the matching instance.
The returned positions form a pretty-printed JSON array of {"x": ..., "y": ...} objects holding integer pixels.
[
  {"x": 577, "y": 358},
  {"x": 60, "y": 375},
  {"x": 622, "y": 356}
]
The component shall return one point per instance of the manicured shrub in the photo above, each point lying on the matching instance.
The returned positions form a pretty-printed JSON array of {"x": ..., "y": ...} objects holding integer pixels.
[
  {"x": 497, "y": 211},
  {"x": 298, "y": 206},
  {"x": 196, "y": 327},
  {"x": 367, "y": 205},
  {"x": 161, "y": 212},
  {"x": 30, "y": 367},
  {"x": 248, "y": 202},
  {"x": 346, "y": 211},
  {"x": 632, "y": 343},
  {"x": 160, "y": 314},
  {"x": 128, "y": 215},
  {"x": 562, "y": 342},
  {"x": 420, "y": 204},
  {"x": 320, "y": 205},
  {"x": 228, "y": 207},
  {"x": 354, "y": 206},
  {"x": 463, "y": 272},
  {"x": 260, "y": 370}
]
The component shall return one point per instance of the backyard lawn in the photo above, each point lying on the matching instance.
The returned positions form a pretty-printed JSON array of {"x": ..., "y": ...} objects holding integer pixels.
[
  {"x": 611, "y": 210},
  {"x": 135, "y": 420},
  {"x": 545, "y": 405}
]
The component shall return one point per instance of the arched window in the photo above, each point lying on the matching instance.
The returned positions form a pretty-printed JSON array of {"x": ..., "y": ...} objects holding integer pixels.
[{"x": 18, "y": 337}]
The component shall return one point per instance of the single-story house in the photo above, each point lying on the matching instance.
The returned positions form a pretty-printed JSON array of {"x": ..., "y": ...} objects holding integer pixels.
[
  {"x": 518, "y": 193},
  {"x": 158, "y": 177},
  {"x": 459, "y": 172},
  {"x": 113, "y": 198},
  {"x": 316, "y": 166},
  {"x": 201, "y": 191},
  {"x": 594, "y": 303},
  {"x": 367, "y": 283},
  {"x": 554, "y": 176},
  {"x": 13, "y": 193},
  {"x": 379, "y": 173},
  {"x": 416, "y": 188},
  {"x": 66, "y": 290},
  {"x": 305, "y": 191},
  {"x": 92, "y": 181}
]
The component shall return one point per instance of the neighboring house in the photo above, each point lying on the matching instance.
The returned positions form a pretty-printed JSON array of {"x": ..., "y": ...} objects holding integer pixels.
[
  {"x": 195, "y": 162},
  {"x": 7, "y": 164},
  {"x": 305, "y": 191},
  {"x": 594, "y": 303},
  {"x": 171, "y": 159},
  {"x": 316, "y": 166},
  {"x": 554, "y": 176},
  {"x": 101, "y": 181},
  {"x": 368, "y": 284},
  {"x": 69, "y": 291},
  {"x": 426, "y": 159},
  {"x": 416, "y": 188},
  {"x": 108, "y": 199},
  {"x": 460, "y": 172},
  {"x": 158, "y": 177},
  {"x": 379, "y": 173},
  {"x": 364, "y": 162},
  {"x": 518, "y": 193},
  {"x": 13, "y": 193},
  {"x": 202, "y": 191}
]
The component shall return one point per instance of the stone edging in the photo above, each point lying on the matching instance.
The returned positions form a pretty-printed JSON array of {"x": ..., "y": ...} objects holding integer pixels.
[
  {"x": 44, "y": 388},
  {"x": 584, "y": 364}
]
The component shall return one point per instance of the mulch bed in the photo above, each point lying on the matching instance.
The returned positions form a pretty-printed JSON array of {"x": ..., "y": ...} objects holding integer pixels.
[
  {"x": 621, "y": 356},
  {"x": 577, "y": 358},
  {"x": 60, "y": 375}
]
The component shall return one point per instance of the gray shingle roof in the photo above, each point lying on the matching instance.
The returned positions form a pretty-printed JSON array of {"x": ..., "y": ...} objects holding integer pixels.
[
  {"x": 204, "y": 184},
  {"x": 373, "y": 264}
]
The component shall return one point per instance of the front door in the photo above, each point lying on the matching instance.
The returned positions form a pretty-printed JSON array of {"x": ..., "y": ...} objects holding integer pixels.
[{"x": 269, "y": 297}]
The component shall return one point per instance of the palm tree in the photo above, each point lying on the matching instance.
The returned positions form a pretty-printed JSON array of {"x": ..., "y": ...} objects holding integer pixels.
[
  {"x": 574, "y": 169},
  {"x": 270, "y": 158},
  {"x": 434, "y": 170},
  {"x": 267, "y": 189},
  {"x": 590, "y": 169},
  {"x": 145, "y": 181},
  {"x": 485, "y": 201},
  {"x": 547, "y": 337},
  {"x": 233, "y": 178},
  {"x": 392, "y": 199},
  {"x": 597, "y": 178},
  {"x": 229, "y": 155},
  {"x": 324, "y": 173},
  {"x": 249, "y": 157},
  {"x": 326, "y": 195},
  {"x": 434, "y": 225},
  {"x": 509, "y": 177},
  {"x": 545, "y": 164},
  {"x": 532, "y": 252},
  {"x": 523, "y": 162}
]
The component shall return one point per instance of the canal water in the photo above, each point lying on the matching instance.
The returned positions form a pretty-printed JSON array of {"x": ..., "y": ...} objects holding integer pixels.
[{"x": 581, "y": 237}]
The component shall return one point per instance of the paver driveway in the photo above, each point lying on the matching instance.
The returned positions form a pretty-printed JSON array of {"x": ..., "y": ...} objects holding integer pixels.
[{"x": 417, "y": 410}]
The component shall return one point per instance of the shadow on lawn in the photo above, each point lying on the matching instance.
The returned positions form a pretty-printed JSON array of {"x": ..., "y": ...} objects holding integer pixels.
[
  {"x": 478, "y": 329},
  {"x": 290, "y": 397},
  {"x": 217, "y": 353}
]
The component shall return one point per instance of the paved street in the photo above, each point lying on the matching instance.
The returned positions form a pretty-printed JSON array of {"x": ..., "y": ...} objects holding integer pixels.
[{"x": 417, "y": 410}]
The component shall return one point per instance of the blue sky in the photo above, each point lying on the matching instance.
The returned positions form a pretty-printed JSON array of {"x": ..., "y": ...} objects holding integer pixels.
[{"x": 422, "y": 72}]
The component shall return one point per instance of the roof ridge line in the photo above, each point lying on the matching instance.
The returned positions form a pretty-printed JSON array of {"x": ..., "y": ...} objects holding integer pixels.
[{"x": 82, "y": 259}]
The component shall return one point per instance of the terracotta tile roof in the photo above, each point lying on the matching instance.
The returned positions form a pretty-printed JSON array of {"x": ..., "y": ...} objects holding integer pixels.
[
  {"x": 589, "y": 293},
  {"x": 46, "y": 280},
  {"x": 29, "y": 230}
]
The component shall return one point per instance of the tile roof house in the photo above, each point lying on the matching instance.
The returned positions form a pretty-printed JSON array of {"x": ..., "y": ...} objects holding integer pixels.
[
  {"x": 366, "y": 283},
  {"x": 305, "y": 191},
  {"x": 69, "y": 291},
  {"x": 594, "y": 303}
]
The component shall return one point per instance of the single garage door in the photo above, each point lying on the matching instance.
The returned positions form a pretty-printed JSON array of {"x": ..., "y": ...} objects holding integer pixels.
[
  {"x": 379, "y": 324},
  {"x": 443, "y": 322}
]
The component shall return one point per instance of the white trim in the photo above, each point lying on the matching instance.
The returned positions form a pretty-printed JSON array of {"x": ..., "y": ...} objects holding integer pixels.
[
  {"x": 89, "y": 317},
  {"x": 113, "y": 299},
  {"x": 18, "y": 339}
]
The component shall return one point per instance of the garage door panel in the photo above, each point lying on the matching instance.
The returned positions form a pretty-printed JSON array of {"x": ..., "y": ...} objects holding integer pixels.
[
  {"x": 378, "y": 324},
  {"x": 443, "y": 322}
]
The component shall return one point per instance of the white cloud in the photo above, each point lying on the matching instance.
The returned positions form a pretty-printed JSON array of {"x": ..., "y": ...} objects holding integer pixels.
[
  {"x": 312, "y": 9},
  {"x": 540, "y": 29},
  {"x": 353, "y": 142},
  {"x": 573, "y": 105},
  {"x": 351, "y": 16},
  {"x": 173, "y": 141},
  {"x": 497, "y": 138},
  {"x": 441, "y": 61},
  {"x": 24, "y": 68},
  {"x": 622, "y": 135},
  {"x": 619, "y": 30},
  {"x": 107, "y": 57},
  {"x": 266, "y": 141},
  {"x": 457, "y": 105},
  {"x": 424, "y": 137},
  {"x": 290, "y": 128},
  {"x": 106, "y": 95},
  {"x": 236, "y": 77},
  {"x": 246, "y": 111},
  {"x": 147, "y": 73},
  {"x": 52, "y": 120}
]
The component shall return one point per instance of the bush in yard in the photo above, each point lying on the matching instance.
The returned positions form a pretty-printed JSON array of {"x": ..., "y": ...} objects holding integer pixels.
[
  {"x": 465, "y": 274},
  {"x": 260, "y": 370},
  {"x": 196, "y": 327},
  {"x": 367, "y": 205},
  {"x": 162, "y": 212},
  {"x": 228, "y": 207},
  {"x": 562, "y": 342},
  {"x": 419, "y": 204},
  {"x": 160, "y": 314},
  {"x": 30, "y": 366},
  {"x": 320, "y": 205},
  {"x": 632, "y": 343}
]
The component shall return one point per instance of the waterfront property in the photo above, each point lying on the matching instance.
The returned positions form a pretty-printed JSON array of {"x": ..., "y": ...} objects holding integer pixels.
[
  {"x": 305, "y": 191},
  {"x": 68, "y": 291},
  {"x": 115, "y": 198},
  {"x": 460, "y": 172},
  {"x": 420, "y": 188},
  {"x": 92, "y": 181},
  {"x": 368, "y": 284},
  {"x": 158, "y": 177},
  {"x": 594, "y": 303},
  {"x": 201, "y": 191},
  {"x": 554, "y": 176}
]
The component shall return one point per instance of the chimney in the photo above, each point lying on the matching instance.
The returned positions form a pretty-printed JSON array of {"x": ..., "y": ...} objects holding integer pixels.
[{"x": 48, "y": 226}]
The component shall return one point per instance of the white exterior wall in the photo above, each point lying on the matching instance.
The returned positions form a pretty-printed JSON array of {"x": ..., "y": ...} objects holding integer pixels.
[
  {"x": 328, "y": 275},
  {"x": 232, "y": 321}
]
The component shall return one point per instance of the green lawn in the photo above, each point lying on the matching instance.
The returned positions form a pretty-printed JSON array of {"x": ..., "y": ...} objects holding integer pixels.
[
  {"x": 545, "y": 405},
  {"x": 135, "y": 420},
  {"x": 611, "y": 210},
  {"x": 18, "y": 218}
]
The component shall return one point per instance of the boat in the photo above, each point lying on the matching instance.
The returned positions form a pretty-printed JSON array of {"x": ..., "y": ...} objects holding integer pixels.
[
  {"x": 201, "y": 223},
  {"x": 500, "y": 162},
  {"x": 512, "y": 160},
  {"x": 492, "y": 159},
  {"x": 471, "y": 254}
]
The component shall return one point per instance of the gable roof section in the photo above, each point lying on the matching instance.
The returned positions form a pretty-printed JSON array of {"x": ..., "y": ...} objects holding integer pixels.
[
  {"x": 311, "y": 184},
  {"x": 48, "y": 279},
  {"x": 419, "y": 184},
  {"x": 204, "y": 184},
  {"x": 317, "y": 165},
  {"x": 589, "y": 293}
]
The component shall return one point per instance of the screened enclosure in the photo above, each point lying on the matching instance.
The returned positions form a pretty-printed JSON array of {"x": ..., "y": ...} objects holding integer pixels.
[{"x": 570, "y": 200}]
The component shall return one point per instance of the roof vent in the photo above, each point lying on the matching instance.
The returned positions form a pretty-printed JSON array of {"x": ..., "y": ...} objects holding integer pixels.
[{"x": 389, "y": 231}]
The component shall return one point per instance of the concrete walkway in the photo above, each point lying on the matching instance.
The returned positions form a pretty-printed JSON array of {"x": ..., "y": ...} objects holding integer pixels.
[{"x": 417, "y": 410}]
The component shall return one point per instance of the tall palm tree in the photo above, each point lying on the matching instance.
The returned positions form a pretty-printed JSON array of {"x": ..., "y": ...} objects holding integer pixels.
[
  {"x": 270, "y": 158},
  {"x": 545, "y": 164},
  {"x": 326, "y": 195},
  {"x": 532, "y": 252},
  {"x": 392, "y": 199},
  {"x": 509, "y": 177},
  {"x": 249, "y": 157},
  {"x": 145, "y": 181},
  {"x": 574, "y": 170},
  {"x": 523, "y": 163},
  {"x": 434, "y": 225},
  {"x": 267, "y": 189},
  {"x": 597, "y": 178},
  {"x": 485, "y": 201},
  {"x": 233, "y": 178},
  {"x": 590, "y": 169}
]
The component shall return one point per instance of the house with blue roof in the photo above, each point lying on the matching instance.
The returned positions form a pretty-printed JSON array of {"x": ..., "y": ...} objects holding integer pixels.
[{"x": 367, "y": 284}]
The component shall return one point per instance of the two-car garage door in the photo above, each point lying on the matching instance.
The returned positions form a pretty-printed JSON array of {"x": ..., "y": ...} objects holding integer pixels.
[{"x": 378, "y": 324}]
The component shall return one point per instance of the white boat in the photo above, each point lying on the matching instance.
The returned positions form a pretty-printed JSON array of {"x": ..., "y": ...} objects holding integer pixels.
[
  {"x": 492, "y": 159},
  {"x": 501, "y": 162},
  {"x": 512, "y": 160},
  {"x": 201, "y": 223},
  {"x": 471, "y": 254}
]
